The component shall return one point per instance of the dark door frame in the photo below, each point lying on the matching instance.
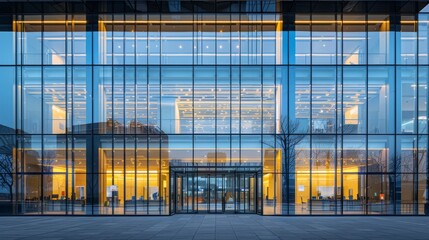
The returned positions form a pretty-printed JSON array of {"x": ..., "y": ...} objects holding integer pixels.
[{"x": 236, "y": 171}]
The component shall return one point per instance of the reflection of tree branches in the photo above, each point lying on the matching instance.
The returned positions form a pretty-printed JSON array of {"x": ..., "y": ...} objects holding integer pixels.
[
  {"x": 6, "y": 163},
  {"x": 379, "y": 158},
  {"x": 287, "y": 139},
  {"x": 49, "y": 158},
  {"x": 409, "y": 158},
  {"x": 321, "y": 155},
  {"x": 412, "y": 161},
  {"x": 409, "y": 162}
]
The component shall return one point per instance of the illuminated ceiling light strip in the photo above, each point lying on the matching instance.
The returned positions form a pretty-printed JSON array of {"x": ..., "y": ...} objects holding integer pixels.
[
  {"x": 330, "y": 38},
  {"x": 337, "y": 21},
  {"x": 306, "y": 22},
  {"x": 51, "y": 22},
  {"x": 178, "y": 22},
  {"x": 188, "y": 38}
]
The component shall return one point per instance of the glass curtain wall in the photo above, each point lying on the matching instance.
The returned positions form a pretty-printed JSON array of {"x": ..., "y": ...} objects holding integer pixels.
[{"x": 96, "y": 109}]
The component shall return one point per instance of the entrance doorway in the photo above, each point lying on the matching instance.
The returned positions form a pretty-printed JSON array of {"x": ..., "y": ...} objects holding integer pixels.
[{"x": 224, "y": 190}]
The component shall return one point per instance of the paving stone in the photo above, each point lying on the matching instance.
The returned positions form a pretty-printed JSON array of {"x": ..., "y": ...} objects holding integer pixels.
[{"x": 223, "y": 227}]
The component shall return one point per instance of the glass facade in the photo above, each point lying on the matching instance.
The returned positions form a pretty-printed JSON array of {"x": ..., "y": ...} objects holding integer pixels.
[{"x": 168, "y": 107}]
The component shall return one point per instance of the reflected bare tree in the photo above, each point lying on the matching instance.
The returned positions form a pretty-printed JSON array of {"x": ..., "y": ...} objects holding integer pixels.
[
  {"x": 413, "y": 161},
  {"x": 287, "y": 138},
  {"x": 6, "y": 164},
  {"x": 417, "y": 156}
]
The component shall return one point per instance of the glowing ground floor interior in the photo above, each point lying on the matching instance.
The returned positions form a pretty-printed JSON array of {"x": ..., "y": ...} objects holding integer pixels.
[{"x": 125, "y": 183}]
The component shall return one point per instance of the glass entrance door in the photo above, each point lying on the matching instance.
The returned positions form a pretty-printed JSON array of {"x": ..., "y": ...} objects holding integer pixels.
[{"x": 220, "y": 192}]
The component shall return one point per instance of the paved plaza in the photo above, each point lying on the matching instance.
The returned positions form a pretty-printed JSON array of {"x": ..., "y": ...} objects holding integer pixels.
[{"x": 214, "y": 227}]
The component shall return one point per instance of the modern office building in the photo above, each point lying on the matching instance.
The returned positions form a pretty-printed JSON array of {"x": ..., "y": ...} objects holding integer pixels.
[{"x": 169, "y": 107}]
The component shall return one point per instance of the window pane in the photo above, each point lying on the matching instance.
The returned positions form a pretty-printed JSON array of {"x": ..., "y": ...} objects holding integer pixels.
[
  {"x": 7, "y": 40},
  {"x": 354, "y": 194},
  {"x": 354, "y": 97},
  {"x": 32, "y": 99},
  {"x": 381, "y": 98},
  {"x": 323, "y": 99},
  {"x": 381, "y": 154},
  {"x": 422, "y": 91},
  {"x": 300, "y": 40},
  {"x": 323, "y": 39},
  {"x": 30, "y": 38},
  {"x": 423, "y": 41},
  {"x": 381, "y": 42},
  {"x": 380, "y": 194},
  {"x": 54, "y": 51},
  {"x": 79, "y": 102},
  {"x": 299, "y": 100},
  {"x": 54, "y": 154},
  {"x": 406, "y": 92},
  {"x": 406, "y": 41},
  {"x": 7, "y": 103},
  {"x": 103, "y": 100},
  {"x": 354, "y": 39},
  {"x": 54, "y": 100}
]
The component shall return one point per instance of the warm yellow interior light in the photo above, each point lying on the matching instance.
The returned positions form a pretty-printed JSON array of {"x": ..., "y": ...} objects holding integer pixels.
[
  {"x": 51, "y": 22},
  {"x": 306, "y": 22},
  {"x": 351, "y": 22},
  {"x": 188, "y": 22}
]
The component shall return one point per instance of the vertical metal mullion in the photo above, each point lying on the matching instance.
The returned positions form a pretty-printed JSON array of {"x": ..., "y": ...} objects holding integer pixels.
[
  {"x": 147, "y": 132},
  {"x": 160, "y": 118},
  {"x": 239, "y": 93},
  {"x": 17, "y": 137},
  {"x": 416, "y": 167},
  {"x": 196, "y": 180},
  {"x": 112, "y": 72},
  {"x": 124, "y": 85},
  {"x": 21, "y": 133},
  {"x": 195, "y": 48},
  {"x": 426, "y": 212},
  {"x": 247, "y": 180},
  {"x": 216, "y": 106},
  {"x": 72, "y": 113},
  {"x": 186, "y": 176},
  {"x": 209, "y": 193},
  {"x": 395, "y": 97},
  {"x": 284, "y": 173},
  {"x": 336, "y": 115},
  {"x": 147, "y": 116},
  {"x": 367, "y": 109},
  {"x": 173, "y": 198},
  {"x": 230, "y": 110},
  {"x": 134, "y": 132},
  {"x": 66, "y": 121},
  {"x": 124, "y": 119},
  {"x": 262, "y": 83},
  {"x": 311, "y": 110},
  {"x": 236, "y": 196},
  {"x": 176, "y": 190},
  {"x": 288, "y": 95},
  {"x": 42, "y": 120},
  {"x": 342, "y": 114},
  {"x": 426, "y": 204},
  {"x": 223, "y": 193},
  {"x": 92, "y": 116},
  {"x": 187, "y": 190}
]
